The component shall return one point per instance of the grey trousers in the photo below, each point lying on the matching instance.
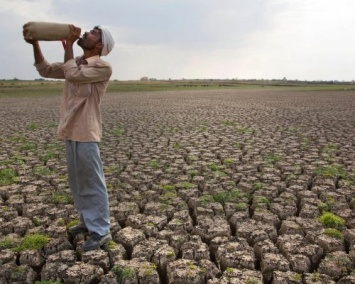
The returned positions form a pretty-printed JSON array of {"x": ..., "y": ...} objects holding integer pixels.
[{"x": 88, "y": 186}]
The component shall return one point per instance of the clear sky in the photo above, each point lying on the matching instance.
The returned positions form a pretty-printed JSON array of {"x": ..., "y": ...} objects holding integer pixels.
[{"x": 196, "y": 39}]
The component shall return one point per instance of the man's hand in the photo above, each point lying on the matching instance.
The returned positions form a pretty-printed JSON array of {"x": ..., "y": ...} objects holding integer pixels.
[
  {"x": 73, "y": 36},
  {"x": 28, "y": 40}
]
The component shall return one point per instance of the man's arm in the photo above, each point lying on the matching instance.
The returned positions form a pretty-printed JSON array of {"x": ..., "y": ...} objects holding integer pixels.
[
  {"x": 97, "y": 72},
  {"x": 37, "y": 52},
  {"x": 73, "y": 36},
  {"x": 43, "y": 67}
]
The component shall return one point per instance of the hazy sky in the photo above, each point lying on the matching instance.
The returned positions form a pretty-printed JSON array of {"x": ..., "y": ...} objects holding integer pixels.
[{"x": 263, "y": 39}]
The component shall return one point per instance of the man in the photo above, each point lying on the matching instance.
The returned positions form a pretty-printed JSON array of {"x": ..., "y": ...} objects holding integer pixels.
[{"x": 86, "y": 79}]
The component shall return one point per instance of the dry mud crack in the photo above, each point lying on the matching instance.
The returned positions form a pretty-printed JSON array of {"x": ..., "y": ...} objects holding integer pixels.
[{"x": 246, "y": 186}]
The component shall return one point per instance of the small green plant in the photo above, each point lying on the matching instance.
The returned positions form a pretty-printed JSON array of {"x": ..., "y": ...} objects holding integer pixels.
[
  {"x": 47, "y": 156},
  {"x": 228, "y": 161},
  {"x": 72, "y": 223},
  {"x": 111, "y": 169},
  {"x": 36, "y": 221},
  {"x": 351, "y": 178},
  {"x": 214, "y": 167},
  {"x": 330, "y": 220},
  {"x": 272, "y": 158},
  {"x": 258, "y": 185},
  {"x": 34, "y": 241},
  {"x": 330, "y": 201},
  {"x": 123, "y": 273},
  {"x": 110, "y": 245},
  {"x": 6, "y": 243},
  {"x": 229, "y": 270},
  {"x": 27, "y": 146},
  {"x": 164, "y": 206},
  {"x": 297, "y": 276},
  {"x": 206, "y": 199},
  {"x": 334, "y": 233},
  {"x": 179, "y": 221},
  {"x": 167, "y": 197},
  {"x": 330, "y": 148},
  {"x": 168, "y": 187},
  {"x": 7, "y": 176},
  {"x": 251, "y": 281},
  {"x": 149, "y": 269},
  {"x": 292, "y": 129},
  {"x": 19, "y": 271},
  {"x": 32, "y": 126},
  {"x": 316, "y": 277},
  {"x": 202, "y": 129},
  {"x": 149, "y": 224},
  {"x": 193, "y": 158},
  {"x": 192, "y": 173},
  {"x": 323, "y": 207},
  {"x": 19, "y": 138},
  {"x": 177, "y": 146},
  {"x": 230, "y": 123},
  {"x": 241, "y": 206},
  {"x": 154, "y": 164},
  {"x": 191, "y": 266},
  {"x": 117, "y": 132},
  {"x": 187, "y": 185},
  {"x": 60, "y": 198},
  {"x": 6, "y": 162},
  {"x": 331, "y": 171},
  {"x": 170, "y": 254},
  {"x": 227, "y": 196},
  {"x": 43, "y": 171},
  {"x": 262, "y": 200},
  {"x": 219, "y": 174}
]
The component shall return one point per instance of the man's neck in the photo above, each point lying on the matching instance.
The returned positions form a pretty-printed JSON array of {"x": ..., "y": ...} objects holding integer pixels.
[{"x": 89, "y": 53}]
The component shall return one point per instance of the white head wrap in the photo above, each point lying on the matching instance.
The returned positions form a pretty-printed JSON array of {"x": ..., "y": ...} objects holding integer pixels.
[{"x": 107, "y": 41}]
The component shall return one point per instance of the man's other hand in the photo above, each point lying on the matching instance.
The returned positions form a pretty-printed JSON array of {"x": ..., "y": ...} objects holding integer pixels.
[{"x": 74, "y": 34}]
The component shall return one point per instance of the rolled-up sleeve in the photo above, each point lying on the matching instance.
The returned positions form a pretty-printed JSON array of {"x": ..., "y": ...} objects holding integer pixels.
[
  {"x": 90, "y": 73},
  {"x": 47, "y": 70}
]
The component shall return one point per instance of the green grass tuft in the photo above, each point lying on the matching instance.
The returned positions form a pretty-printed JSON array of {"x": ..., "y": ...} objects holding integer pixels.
[
  {"x": 7, "y": 176},
  {"x": 60, "y": 198},
  {"x": 331, "y": 172},
  {"x": 123, "y": 273},
  {"x": 330, "y": 220},
  {"x": 334, "y": 233},
  {"x": 34, "y": 241},
  {"x": 6, "y": 243},
  {"x": 227, "y": 196},
  {"x": 72, "y": 223}
]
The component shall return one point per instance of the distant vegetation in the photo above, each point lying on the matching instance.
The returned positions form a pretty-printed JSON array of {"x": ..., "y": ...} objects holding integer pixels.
[{"x": 16, "y": 87}]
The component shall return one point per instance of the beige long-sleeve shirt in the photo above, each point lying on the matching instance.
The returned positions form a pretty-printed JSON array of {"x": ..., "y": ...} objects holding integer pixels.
[{"x": 85, "y": 85}]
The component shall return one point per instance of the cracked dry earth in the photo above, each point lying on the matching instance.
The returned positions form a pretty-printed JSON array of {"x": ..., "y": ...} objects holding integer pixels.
[{"x": 225, "y": 186}]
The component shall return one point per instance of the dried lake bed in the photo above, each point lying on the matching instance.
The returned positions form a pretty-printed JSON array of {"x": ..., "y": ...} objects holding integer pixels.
[{"x": 209, "y": 186}]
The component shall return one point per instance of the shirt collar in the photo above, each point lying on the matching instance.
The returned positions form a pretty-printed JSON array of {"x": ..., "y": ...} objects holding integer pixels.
[{"x": 92, "y": 59}]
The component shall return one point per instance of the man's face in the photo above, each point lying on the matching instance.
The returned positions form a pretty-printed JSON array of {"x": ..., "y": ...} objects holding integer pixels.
[{"x": 89, "y": 40}]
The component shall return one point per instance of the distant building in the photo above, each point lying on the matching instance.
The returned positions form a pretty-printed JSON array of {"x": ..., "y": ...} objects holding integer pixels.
[{"x": 144, "y": 79}]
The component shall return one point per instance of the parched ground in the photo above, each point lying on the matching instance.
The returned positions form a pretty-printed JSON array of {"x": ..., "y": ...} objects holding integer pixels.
[{"x": 227, "y": 186}]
